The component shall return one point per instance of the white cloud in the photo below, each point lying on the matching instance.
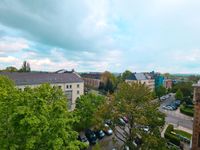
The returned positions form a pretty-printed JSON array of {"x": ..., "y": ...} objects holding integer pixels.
[
  {"x": 12, "y": 44},
  {"x": 8, "y": 59}
]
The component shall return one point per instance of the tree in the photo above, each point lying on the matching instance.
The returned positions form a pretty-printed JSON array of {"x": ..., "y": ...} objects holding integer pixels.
[
  {"x": 135, "y": 102},
  {"x": 25, "y": 67},
  {"x": 35, "y": 118},
  {"x": 160, "y": 91},
  {"x": 11, "y": 69},
  {"x": 179, "y": 95},
  {"x": 86, "y": 107},
  {"x": 108, "y": 82},
  {"x": 126, "y": 74},
  {"x": 185, "y": 87}
]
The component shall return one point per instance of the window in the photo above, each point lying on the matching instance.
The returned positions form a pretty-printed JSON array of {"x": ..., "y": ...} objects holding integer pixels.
[
  {"x": 77, "y": 85},
  {"x": 59, "y": 87},
  {"x": 77, "y": 92},
  {"x": 70, "y": 86}
]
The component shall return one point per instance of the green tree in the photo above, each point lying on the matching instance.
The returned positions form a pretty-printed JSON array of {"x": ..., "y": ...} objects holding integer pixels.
[
  {"x": 35, "y": 118},
  {"x": 185, "y": 87},
  {"x": 11, "y": 69},
  {"x": 135, "y": 102},
  {"x": 108, "y": 82},
  {"x": 179, "y": 94},
  {"x": 25, "y": 67},
  {"x": 86, "y": 107},
  {"x": 126, "y": 74},
  {"x": 160, "y": 91}
]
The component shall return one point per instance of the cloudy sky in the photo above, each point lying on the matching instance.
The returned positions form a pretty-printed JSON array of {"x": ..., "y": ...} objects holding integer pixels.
[{"x": 98, "y": 35}]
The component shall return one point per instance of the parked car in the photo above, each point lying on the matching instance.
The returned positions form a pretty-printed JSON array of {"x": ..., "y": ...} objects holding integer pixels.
[
  {"x": 83, "y": 138},
  {"x": 167, "y": 107},
  {"x": 91, "y": 136},
  {"x": 177, "y": 102},
  {"x": 108, "y": 130},
  {"x": 162, "y": 98},
  {"x": 125, "y": 119},
  {"x": 121, "y": 122},
  {"x": 100, "y": 134},
  {"x": 108, "y": 122}
]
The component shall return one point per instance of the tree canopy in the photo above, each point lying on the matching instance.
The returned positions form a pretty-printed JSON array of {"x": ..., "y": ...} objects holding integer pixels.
[
  {"x": 25, "y": 67},
  {"x": 179, "y": 95},
  {"x": 134, "y": 101},
  {"x": 108, "y": 82},
  {"x": 35, "y": 118},
  {"x": 160, "y": 91},
  {"x": 86, "y": 107}
]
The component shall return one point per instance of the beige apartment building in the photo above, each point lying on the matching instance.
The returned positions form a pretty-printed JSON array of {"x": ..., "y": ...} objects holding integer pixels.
[
  {"x": 70, "y": 83},
  {"x": 143, "y": 79}
]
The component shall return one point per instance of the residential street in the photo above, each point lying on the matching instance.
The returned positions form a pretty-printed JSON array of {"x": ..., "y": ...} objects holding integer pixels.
[{"x": 175, "y": 117}]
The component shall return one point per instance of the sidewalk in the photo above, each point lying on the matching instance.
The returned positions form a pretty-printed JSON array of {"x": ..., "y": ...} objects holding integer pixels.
[
  {"x": 184, "y": 129},
  {"x": 175, "y": 127}
]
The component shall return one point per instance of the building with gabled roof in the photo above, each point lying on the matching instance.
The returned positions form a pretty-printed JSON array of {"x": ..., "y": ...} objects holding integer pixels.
[{"x": 70, "y": 83}]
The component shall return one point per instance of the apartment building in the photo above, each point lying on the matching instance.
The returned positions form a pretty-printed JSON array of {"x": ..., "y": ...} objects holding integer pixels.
[
  {"x": 142, "y": 78},
  {"x": 92, "y": 80},
  {"x": 70, "y": 82},
  {"x": 168, "y": 83}
]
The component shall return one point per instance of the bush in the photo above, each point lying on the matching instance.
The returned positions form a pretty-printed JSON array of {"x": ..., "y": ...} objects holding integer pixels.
[
  {"x": 169, "y": 128},
  {"x": 187, "y": 110},
  {"x": 172, "y": 138}
]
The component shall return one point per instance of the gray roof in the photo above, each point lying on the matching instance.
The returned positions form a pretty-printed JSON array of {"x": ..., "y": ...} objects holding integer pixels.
[
  {"x": 31, "y": 78},
  {"x": 140, "y": 76},
  {"x": 137, "y": 76}
]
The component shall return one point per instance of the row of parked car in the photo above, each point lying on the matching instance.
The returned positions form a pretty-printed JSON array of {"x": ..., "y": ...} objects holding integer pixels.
[
  {"x": 173, "y": 105},
  {"x": 166, "y": 97},
  {"x": 91, "y": 136}
]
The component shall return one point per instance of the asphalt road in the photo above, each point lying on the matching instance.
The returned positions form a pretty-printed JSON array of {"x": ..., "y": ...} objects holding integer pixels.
[{"x": 175, "y": 117}]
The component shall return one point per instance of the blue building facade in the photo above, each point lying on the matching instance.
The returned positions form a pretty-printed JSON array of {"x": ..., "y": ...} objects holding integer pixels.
[{"x": 159, "y": 80}]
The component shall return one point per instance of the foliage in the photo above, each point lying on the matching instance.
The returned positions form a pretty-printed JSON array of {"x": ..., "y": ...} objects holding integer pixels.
[
  {"x": 183, "y": 133},
  {"x": 185, "y": 87},
  {"x": 172, "y": 138},
  {"x": 187, "y": 110},
  {"x": 25, "y": 67},
  {"x": 160, "y": 91},
  {"x": 86, "y": 107},
  {"x": 108, "y": 82},
  {"x": 35, "y": 118},
  {"x": 179, "y": 95},
  {"x": 194, "y": 78},
  {"x": 125, "y": 75},
  {"x": 135, "y": 102}
]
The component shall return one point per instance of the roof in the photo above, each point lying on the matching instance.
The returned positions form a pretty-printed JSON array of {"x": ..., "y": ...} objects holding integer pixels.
[
  {"x": 32, "y": 78},
  {"x": 137, "y": 76},
  {"x": 91, "y": 75}
]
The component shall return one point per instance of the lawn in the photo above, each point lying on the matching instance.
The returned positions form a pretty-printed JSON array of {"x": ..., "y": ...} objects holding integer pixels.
[{"x": 183, "y": 133}]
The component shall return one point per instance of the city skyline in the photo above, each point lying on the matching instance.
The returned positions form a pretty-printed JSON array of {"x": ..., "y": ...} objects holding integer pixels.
[{"x": 101, "y": 35}]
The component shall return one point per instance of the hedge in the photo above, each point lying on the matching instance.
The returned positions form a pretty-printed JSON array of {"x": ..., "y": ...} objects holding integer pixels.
[
  {"x": 187, "y": 110},
  {"x": 172, "y": 138}
]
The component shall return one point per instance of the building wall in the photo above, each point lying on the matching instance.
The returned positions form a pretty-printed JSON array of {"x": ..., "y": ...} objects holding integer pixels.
[
  {"x": 150, "y": 83},
  {"x": 76, "y": 90},
  {"x": 196, "y": 122},
  {"x": 159, "y": 81},
  {"x": 168, "y": 83},
  {"x": 93, "y": 83}
]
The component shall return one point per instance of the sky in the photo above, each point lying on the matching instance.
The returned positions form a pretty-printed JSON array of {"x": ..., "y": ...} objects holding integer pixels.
[{"x": 99, "y": 35}]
